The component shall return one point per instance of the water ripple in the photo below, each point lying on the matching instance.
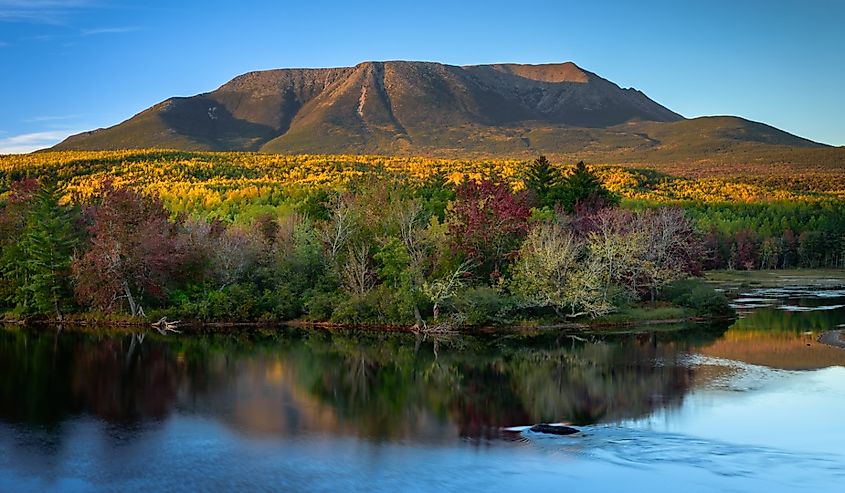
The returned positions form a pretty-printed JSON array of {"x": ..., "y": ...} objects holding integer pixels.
[{"x": 647, "y": 449}]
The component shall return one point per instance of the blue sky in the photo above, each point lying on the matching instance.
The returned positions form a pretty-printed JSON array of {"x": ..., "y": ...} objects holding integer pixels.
[{"x": 73, "y": 65}]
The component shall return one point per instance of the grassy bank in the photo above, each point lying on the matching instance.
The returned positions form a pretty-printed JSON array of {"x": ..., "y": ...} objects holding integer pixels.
[
  {"x": 732, "y": 280},
  {"x": 644, "y": 313}
]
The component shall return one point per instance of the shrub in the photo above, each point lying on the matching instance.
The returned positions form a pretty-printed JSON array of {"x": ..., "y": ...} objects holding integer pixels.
[
  {"x": 699, "y": 296},
  {"x": 319, "y": 305},
  {"x": 357, "y": 309},
  {"x": 281, "y": 304},
  {"x": 238, "y": 302},
  {"x": 380, "y": 305},
  {"x": 483, "y": 305}
]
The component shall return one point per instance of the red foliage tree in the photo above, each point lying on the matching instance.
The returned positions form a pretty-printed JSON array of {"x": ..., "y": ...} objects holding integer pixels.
[
  {"x": 487, "y": 222},
  {"x": 133, "y": 252},
  {"x": 745, "y": 253}
]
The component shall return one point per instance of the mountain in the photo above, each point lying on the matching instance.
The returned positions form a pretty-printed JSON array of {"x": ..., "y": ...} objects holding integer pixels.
[{"x": 402, "y": 107}]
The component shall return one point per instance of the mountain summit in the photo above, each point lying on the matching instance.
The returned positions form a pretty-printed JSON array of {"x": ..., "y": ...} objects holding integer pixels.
[{"x": 401, "y": 107}]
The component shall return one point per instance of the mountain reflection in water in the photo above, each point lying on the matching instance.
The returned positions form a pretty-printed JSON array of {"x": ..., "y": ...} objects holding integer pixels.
[{"x": 712, "y": 408}]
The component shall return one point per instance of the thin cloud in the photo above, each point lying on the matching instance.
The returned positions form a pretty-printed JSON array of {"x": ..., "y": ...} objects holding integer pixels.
[
  {"x": 23, "y": 143},
  {"x": 51, "y": 118},
  {"x": 43, "y": 38},
  {"x": 110, "y": 30},
  {"x": 41, "y": 11}
]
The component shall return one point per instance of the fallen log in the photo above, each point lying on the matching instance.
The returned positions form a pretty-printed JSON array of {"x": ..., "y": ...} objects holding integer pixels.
[{"x": 163, "y": 326}]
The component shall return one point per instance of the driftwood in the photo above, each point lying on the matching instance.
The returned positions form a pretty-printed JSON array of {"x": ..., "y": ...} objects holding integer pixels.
[
  {"x": 442, "y": 331},
  {"x": 163, "y": 326},
  {"x": 449, "y": 326}
]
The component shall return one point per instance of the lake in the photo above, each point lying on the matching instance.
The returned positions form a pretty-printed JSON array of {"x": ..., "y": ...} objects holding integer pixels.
[{"x": 753, "y": 405}]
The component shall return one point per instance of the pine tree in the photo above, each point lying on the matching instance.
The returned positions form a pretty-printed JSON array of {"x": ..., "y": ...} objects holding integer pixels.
[
  {"x": 13, "y": 215},
  {"x": 46, "y": 247},
  {"x": 582, "y": 188},
  {"x": 544, "y": 180}
]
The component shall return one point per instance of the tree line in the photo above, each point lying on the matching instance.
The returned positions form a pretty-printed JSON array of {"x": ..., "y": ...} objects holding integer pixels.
[
  {"x": 772, "y": 236},
  {"x": 240, "y": 186},
  {"x": 381, "y": 251}
]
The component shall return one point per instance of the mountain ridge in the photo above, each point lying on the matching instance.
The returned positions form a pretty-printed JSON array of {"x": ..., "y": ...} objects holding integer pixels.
[{"x": 429, "y": 108}]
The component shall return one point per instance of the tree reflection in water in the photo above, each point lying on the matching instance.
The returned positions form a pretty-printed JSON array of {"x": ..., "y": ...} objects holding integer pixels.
[
  {"x": 382, "y": 386},
  {"x": 783, "y": 339}
]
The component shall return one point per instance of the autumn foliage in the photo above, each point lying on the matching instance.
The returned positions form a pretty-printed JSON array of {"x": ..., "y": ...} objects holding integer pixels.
[
  {"x": 487, "y": 223},
  {"x": 375, "y": 239},
  {"x": 133, "y": 252}
]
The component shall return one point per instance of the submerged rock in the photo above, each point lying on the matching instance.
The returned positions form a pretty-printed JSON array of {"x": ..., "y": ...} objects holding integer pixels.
[
  {"x": 835, "y": 338},
  {"x": 554, "y": 429}
]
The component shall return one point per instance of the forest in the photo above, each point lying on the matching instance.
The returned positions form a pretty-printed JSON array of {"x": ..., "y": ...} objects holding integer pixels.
[{"x": 235, "y": 237}]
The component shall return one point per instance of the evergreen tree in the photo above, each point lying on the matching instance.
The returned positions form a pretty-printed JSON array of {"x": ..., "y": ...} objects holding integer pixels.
[
  {"x": 544, "y": 180},
  {"x": 13, "y": 214},
  {"x": 582, "y": 188},
  {"x": 42, "y": 269}
]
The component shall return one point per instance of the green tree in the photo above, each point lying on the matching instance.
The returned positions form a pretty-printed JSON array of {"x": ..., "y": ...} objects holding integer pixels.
[
  {"x": 45, "y": 248},
  {"x": 14, "y": 210},
  {"x": 583, "y": 188},
  {"x": 553, "y": 272},
  {"x": 545, "y": 181}
]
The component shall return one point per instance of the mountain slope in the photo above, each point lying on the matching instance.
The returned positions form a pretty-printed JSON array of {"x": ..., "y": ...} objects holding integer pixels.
[
  {"x": 375, "y": 105},
  {"x": 430, "y": 108}
]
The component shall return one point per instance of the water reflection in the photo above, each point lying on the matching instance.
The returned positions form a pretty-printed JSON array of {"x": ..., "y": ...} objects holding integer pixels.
[
  {"x": 380, "y": 386},
  {"x": 785, "y": 338},
  {"x": 287, "y": 409}
]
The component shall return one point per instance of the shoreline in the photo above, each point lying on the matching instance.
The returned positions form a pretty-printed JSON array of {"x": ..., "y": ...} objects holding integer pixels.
[{"x": 190, "y": 328}]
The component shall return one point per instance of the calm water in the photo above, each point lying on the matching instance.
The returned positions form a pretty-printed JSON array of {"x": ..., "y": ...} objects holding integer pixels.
[{"x": 757, "y": 406}]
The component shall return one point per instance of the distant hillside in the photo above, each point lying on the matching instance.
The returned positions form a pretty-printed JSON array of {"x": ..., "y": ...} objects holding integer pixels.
[{"x": 423, "y": 108}]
